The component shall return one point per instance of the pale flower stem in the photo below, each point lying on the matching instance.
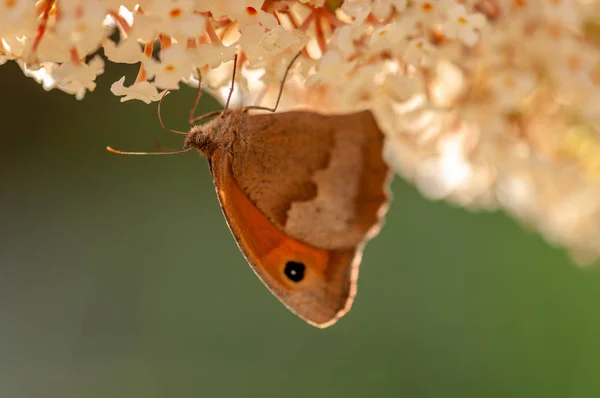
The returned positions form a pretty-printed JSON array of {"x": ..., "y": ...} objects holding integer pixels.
[
  {"x": 46, "y": 6},
  {"x": 212, "y": 34},
  {"x": 148, "y": 50},
  {"x": 292, "y": 19},
  {"x": 165, "y": 41},
  {"x": 204, "y": 38},
  {"x": 75, "y": 56},
  {"x": 319, "y": 31},
  {"x": 121, "y": 23},
  {"x": 306, "y": 23},
  {"x": 332, "y": 19},
  {"x": 226, "y": 31},
  {"x": 141, "y": 76},
  {"x": 241, "y": 59}
]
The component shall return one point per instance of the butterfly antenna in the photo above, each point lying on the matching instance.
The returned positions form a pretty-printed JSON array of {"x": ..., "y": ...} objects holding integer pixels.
[
  {"x": 110, "y": 149},
  {"x": 162, "y": 124},
  {"x": 287, "y": 70},
  {"x": 232, "y": 84}
]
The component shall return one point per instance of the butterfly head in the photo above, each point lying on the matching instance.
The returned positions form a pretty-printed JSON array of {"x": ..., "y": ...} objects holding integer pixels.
[
  {"x": 217, "y": 133},
  {"x": 201, "y": 139}
]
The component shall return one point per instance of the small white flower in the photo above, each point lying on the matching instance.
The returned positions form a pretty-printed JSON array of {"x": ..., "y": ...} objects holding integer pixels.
[
  {"x": 382, "y": 9},
  {"x": 392, "y": 37},
  {"x": 332, "y": 68},
  {"x": 145, "y": 27},
  {"x": 358, "y": 9},
  {"x": 511, "y": 87},
  {"x": 427, "y": 12},
  {"x": 249, "y": 42},
  {"x": 43, "y": 75},
  {"x": 177, "y": 18},
  {"x": 51, "y": 49},
  {"x": 81, "y": 24},
  {"x": 211, "y": 54},
  {"x": 252, "y": 16},
  {"x": 128, "y": 51},
  {"x": 402, "y": 88},
  {"x": 257, "y": 42},
  {"x": 343, "y": 40},
  {"x": 77, "y": 78},
  {"x": 267, "y": 20},
  {"x": 279, "y": 39},
  {"x": 174, "y": 66},
  {"x": 462, "y": 25},
  {"x": 419, "y": 52},
  {"x": 17, "y": 17},
  {"x": 144, "y": 91},
  {"x": 232, "y": 8}
]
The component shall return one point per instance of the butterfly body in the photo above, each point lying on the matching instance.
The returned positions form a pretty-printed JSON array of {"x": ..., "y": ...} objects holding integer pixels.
[{"x": 302, "y": 193}]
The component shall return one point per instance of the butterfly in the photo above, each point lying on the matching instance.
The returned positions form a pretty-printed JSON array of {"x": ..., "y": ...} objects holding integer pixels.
[{"x": 302, "y": 193}]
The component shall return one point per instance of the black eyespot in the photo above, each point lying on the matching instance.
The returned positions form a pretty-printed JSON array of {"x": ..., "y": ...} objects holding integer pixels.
[{"x": 294, "y": 271}]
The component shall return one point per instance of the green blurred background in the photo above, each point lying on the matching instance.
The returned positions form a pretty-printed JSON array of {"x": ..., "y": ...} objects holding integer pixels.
[{"x": 119, "y": 278}]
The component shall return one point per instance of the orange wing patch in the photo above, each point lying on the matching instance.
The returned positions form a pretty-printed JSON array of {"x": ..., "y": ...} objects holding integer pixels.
[{"x": 316, "y": 284}]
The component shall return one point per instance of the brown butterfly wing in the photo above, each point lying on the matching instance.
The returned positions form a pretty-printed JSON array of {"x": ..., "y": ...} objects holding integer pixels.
[
  {"x": 319, "y": 178},
  {"x": 300, "y": 189},
  {"x": 316, "y": 284}
]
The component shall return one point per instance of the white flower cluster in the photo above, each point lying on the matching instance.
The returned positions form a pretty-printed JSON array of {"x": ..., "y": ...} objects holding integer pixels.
[{"x": 486, "y": 103}]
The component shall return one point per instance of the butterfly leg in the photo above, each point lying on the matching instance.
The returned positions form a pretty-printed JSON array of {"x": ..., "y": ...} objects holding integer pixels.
[
  {"x": 235, "y": 58},
  {"x": 287, "y": 70},
  {"x": 191, "y": 119},
  {"x": 194, "y": 120}
]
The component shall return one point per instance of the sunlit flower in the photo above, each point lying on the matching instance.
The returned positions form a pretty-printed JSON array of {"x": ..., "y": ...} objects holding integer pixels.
[
  {"x": 485, "y": 103},
  {"x": 142, "y": 90},
  {"x": 82, "y": 26},
  {"x": 460, "y": 24},
  {"x": 77, "y": 77},
  {"x": 212, "y": 55},
  {"x": 174, "y": 66},
  {"x": 127, "y": 51},
  {"x": 176, "y": 18}
]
